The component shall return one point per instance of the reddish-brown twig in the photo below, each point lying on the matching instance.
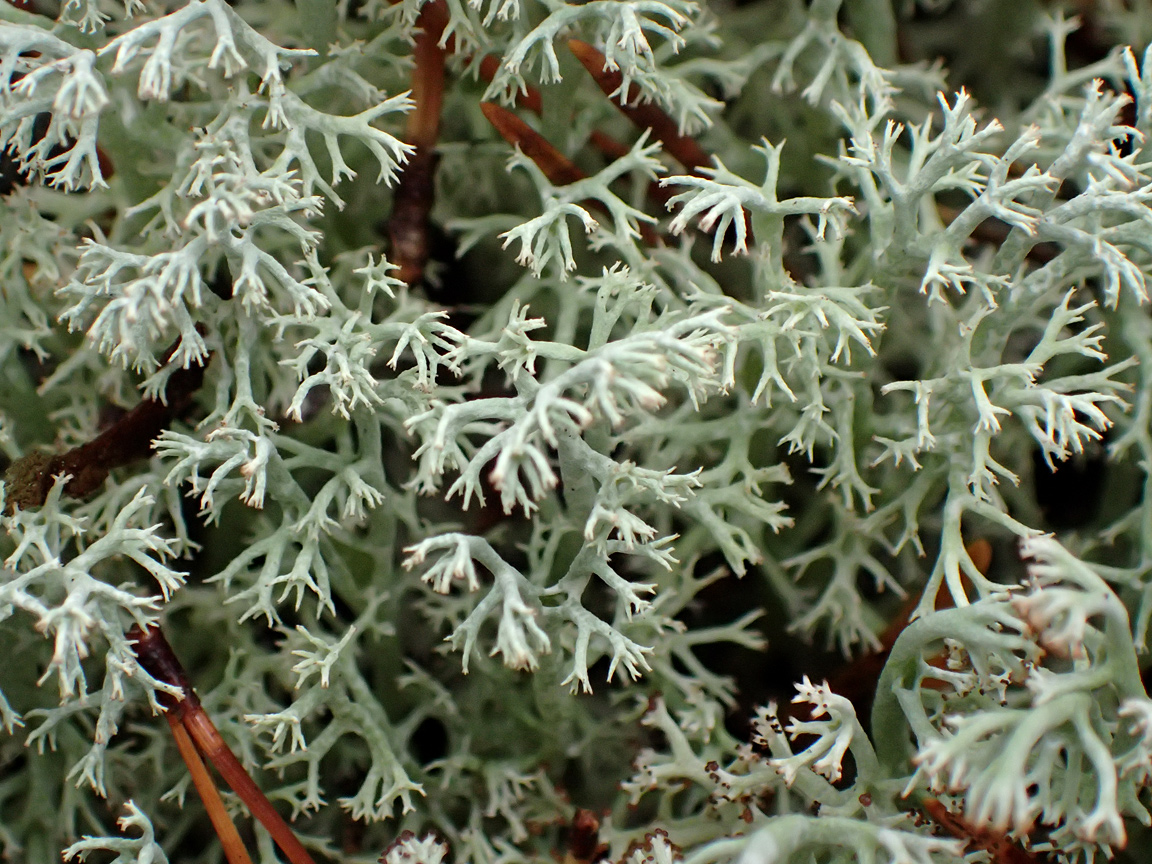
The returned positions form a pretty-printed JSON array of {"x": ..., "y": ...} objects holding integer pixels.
[
  {"x": 557, "y": 167},
  {"x": 415, "y": 193},
  {"x": 156, "y": 656}
]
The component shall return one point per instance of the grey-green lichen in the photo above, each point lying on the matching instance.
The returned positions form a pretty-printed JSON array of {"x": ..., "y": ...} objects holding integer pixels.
[{"x": 905, "y": 292}]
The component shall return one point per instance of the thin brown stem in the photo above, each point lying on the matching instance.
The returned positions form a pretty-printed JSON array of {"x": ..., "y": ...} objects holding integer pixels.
[
  {"x": 212, "y": 745},
  {"x": 557, "y": 167},
  {"x": 156, "y": 656}
]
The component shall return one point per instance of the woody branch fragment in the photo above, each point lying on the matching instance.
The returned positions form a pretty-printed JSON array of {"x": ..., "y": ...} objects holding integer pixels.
[{"x": 28, "y": 480}]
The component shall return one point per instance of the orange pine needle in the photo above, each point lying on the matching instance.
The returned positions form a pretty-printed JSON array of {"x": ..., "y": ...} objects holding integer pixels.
[
  {"x": 556, "y": 166},
  {"x": 230, "y": 840},
  {"x": 156, "y": 656},
  {"x": 644, "y": 114},
  {"x": 211, "y": 744},
  {"x": 529, "y": 97}
]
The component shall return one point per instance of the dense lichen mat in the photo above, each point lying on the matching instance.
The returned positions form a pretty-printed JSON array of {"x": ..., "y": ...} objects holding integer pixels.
[{"x": 628, "y": 430}]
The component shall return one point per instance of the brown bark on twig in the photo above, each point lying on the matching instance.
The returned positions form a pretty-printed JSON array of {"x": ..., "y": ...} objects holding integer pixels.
[
  {"x": 29, "y": 480},
  {"x": 415, "y": 192}
]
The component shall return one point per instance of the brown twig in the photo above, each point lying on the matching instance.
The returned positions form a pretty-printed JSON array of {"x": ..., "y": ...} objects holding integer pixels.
[
  {"x": 557, "y": 167},
  {"x": 412, "y": 201},
  {"x": 415, "y": 192},
  {"x": 30, "y": 478},
  {"x": 156, "y": 656}
]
